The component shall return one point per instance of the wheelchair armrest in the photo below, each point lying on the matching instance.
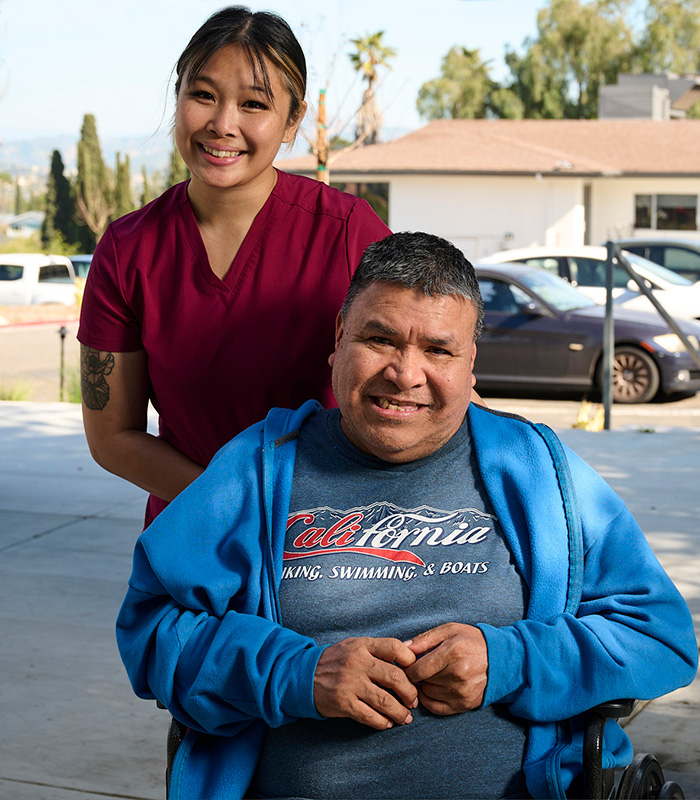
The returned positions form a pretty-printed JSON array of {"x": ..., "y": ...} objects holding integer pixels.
[{"x": 614, "y": 709}]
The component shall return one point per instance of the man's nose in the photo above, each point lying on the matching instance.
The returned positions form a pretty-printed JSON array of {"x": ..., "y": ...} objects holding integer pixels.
[{"x": 405, "y": 370}]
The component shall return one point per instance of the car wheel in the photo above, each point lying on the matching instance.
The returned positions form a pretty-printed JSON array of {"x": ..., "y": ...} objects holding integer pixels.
[{"x": 635, "y": 376}]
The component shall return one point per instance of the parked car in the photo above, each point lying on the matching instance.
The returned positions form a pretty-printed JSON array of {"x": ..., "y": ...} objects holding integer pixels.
[
  {"x": 584, "y": 267},
  {"x": 542, "y": 333},
  {"x": 81, "y": 265},
  {"x": 31, "y": 278},
  {"x": 681, "y": 256}
]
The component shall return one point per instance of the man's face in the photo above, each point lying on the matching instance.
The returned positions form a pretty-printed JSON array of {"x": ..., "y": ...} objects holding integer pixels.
[{"x": 402, "y": 370}]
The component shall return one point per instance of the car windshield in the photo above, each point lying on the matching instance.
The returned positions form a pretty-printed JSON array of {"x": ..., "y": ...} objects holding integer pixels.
[
  {"x": 557, "y": 292},
  {"x": 666, "y": 274}
]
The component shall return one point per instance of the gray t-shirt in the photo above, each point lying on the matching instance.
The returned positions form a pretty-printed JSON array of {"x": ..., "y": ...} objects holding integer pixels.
[{"x": 376, "y": 549}]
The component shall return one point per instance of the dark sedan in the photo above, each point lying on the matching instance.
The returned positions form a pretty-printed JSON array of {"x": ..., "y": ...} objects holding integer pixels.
[{"x": 542, "y": 333}]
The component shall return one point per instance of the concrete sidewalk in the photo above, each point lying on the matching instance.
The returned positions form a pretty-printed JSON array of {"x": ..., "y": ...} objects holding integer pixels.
[{"x": 71, "y": 728}]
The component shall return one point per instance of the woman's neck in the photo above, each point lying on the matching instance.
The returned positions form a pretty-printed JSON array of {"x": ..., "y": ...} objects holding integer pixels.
[
  {"x": 224, "y": 217},
  {"x": 213, "y": 206}
]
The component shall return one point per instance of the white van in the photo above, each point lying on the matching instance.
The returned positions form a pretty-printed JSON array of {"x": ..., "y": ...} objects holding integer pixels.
[{"x": 31, "y": 278}]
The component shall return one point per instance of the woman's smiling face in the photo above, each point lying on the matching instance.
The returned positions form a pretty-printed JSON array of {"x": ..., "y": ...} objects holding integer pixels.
[{"x": 228, "y": 129}]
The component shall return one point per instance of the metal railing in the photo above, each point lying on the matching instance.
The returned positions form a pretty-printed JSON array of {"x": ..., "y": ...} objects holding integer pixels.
[{"x": 614, "y": 253}]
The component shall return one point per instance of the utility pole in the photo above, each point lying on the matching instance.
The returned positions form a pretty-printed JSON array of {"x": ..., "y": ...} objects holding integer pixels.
[{"x": 322, "y": 146}]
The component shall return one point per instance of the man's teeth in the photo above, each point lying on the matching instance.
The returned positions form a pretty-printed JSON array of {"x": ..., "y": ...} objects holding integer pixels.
[
  {"x": 384, "y": 403},
  {"x": 221, "y": 153}
]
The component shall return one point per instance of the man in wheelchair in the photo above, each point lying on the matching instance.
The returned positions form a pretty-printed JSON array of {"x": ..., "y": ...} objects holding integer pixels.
[{"x": 409, "y": 596}]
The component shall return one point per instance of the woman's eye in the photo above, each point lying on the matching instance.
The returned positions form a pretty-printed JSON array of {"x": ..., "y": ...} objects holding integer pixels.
[
  {"x": 254, "y": 104},
  {"x": 201, "y": 94}
]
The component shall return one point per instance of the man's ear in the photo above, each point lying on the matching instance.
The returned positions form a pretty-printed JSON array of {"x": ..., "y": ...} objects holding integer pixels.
[{"x": 338, "y": 337}]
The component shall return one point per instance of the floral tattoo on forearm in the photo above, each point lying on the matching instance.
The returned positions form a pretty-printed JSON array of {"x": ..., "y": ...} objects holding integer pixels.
[{"x": 95, "y": 365}]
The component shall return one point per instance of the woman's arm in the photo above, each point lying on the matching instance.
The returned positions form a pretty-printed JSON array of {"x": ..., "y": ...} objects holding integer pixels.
[{"x": 115, "y": 389}]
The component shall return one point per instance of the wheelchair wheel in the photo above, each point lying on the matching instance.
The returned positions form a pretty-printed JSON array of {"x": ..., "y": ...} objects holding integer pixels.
[
  {"x": 671, "y": 791},
  {"x": 643, "y": 779}
]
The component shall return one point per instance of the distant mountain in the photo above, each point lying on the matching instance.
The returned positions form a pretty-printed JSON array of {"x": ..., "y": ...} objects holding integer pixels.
[{"x": 33, "y": 156}]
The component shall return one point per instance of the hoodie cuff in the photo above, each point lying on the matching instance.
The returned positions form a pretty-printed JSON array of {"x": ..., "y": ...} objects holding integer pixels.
[
  {"x": 506, "y": 654},
  {"x": 297, "y": 691}
]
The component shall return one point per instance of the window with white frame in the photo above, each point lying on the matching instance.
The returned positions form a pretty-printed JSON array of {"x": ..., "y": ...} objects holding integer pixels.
[{"x": 666, "y": 212}]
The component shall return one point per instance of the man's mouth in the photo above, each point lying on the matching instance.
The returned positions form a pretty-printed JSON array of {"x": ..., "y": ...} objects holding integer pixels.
[
  {"x": 397, "y": 405},
  {"x": 221, "y": 153}
]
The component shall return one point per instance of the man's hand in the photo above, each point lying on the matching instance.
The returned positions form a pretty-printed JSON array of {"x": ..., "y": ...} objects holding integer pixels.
[
  {"x": 360, "y": 679},
  {"x": 451, "y": 670}
]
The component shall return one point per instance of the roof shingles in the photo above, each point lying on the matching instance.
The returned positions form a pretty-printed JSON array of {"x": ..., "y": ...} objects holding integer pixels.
[{"x": 510, "y": 147}]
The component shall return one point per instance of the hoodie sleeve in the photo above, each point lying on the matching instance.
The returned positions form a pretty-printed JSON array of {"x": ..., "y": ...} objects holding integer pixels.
[
  {"x": 631, "y": 637},
  {"x": 195, "y": 630}
]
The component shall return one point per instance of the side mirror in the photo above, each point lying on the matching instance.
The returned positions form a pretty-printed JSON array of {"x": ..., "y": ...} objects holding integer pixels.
[{"x": 530, "y": 309}]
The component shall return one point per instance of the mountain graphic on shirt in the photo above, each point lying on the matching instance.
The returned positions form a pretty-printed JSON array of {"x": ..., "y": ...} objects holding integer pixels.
[{"x": 382, "y": 530}]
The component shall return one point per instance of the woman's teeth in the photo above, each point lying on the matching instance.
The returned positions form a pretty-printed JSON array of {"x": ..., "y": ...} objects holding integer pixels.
[{"x": 221, "y": 153}]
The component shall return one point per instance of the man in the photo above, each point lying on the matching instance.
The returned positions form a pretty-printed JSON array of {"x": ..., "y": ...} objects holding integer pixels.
[{"x": 398, "y": 598}]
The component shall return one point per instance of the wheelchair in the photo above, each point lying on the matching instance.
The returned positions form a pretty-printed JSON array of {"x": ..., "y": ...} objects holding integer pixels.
[{"x": 642, "y": 779}]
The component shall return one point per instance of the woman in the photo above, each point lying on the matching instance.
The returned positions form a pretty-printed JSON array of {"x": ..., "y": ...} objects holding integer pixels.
[{"x": 217, "y": 300}]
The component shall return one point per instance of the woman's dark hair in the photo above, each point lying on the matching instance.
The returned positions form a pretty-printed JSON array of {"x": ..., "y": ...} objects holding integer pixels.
[{"x": 261, "y": 35}]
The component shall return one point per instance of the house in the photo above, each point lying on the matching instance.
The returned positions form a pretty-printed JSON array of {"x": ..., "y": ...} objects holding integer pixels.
[
  {"x": 24, "y": 225},
  {"x": 491, "y": 184},
  {"x": 648, "y": 96}
]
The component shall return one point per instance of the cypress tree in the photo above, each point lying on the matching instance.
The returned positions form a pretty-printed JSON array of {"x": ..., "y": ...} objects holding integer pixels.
[
  {"x": 60, "y": 211},
  {"x": 20, "y": 207},
  {"x": 146, "y": 192},
  {"x": 178, "y": 171},
  {"x": 123, "y": 197},
  {"x": 93, "y": 189}
]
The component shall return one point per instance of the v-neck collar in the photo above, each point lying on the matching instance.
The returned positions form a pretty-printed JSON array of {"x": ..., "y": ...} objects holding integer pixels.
[{"x": 227, "y": 287}]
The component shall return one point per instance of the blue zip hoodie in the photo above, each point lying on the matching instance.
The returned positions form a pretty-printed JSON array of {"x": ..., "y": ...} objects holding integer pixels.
[{"x": 200, "y": 627}]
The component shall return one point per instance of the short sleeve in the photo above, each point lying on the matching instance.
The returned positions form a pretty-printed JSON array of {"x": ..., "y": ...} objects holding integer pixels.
[
  {"x": 364, "y": 227},
  {"x": 107, "y": 320}
]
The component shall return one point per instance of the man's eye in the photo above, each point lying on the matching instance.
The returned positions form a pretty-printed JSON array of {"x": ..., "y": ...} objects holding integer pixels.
[
  {"x": 379, "y": 340},
  {"x": 439, "y": 351}
]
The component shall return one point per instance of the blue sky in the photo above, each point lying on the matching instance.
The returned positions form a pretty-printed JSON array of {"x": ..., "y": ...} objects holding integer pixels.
[{"x": 60, "y": 59}]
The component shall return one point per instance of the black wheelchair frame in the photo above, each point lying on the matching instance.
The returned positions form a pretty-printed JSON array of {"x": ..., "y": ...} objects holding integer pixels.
[{"x": 642, "y": 779}]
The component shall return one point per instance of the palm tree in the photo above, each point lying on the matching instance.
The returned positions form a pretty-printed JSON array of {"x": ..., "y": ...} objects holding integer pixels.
[{"x": 370, "y": 53}]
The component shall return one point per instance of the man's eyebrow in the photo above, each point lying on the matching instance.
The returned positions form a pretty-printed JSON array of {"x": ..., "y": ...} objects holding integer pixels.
[{"x": 375, "y": 326}]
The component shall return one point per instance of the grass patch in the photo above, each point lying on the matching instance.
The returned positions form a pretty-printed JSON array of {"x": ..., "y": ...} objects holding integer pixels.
[
  {"x": 71, "y": 385},
  {"x": 15, "y": 391}
]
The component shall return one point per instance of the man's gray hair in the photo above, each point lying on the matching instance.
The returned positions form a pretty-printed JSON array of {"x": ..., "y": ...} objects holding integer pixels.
[{"x": 418, "y": 261}]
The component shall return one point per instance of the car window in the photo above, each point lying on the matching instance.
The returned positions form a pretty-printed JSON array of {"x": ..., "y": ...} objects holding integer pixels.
[
  {"x": 10, "y": 272},
  {"x": 679, "y": 258},
  {"x": 555, "y": 291},
  {"x": 498, "y": 296},
  {"x": 591, "y": 272},
  {"x": 550, "y": 264},
  {"x": 55, "y": 273},
  {"x": 658, "y": 270},
  {"x": 81, "y": 265}
]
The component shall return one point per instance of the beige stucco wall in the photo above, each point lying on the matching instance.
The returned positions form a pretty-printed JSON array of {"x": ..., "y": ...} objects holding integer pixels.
[{"x": 484, "y": 214}]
